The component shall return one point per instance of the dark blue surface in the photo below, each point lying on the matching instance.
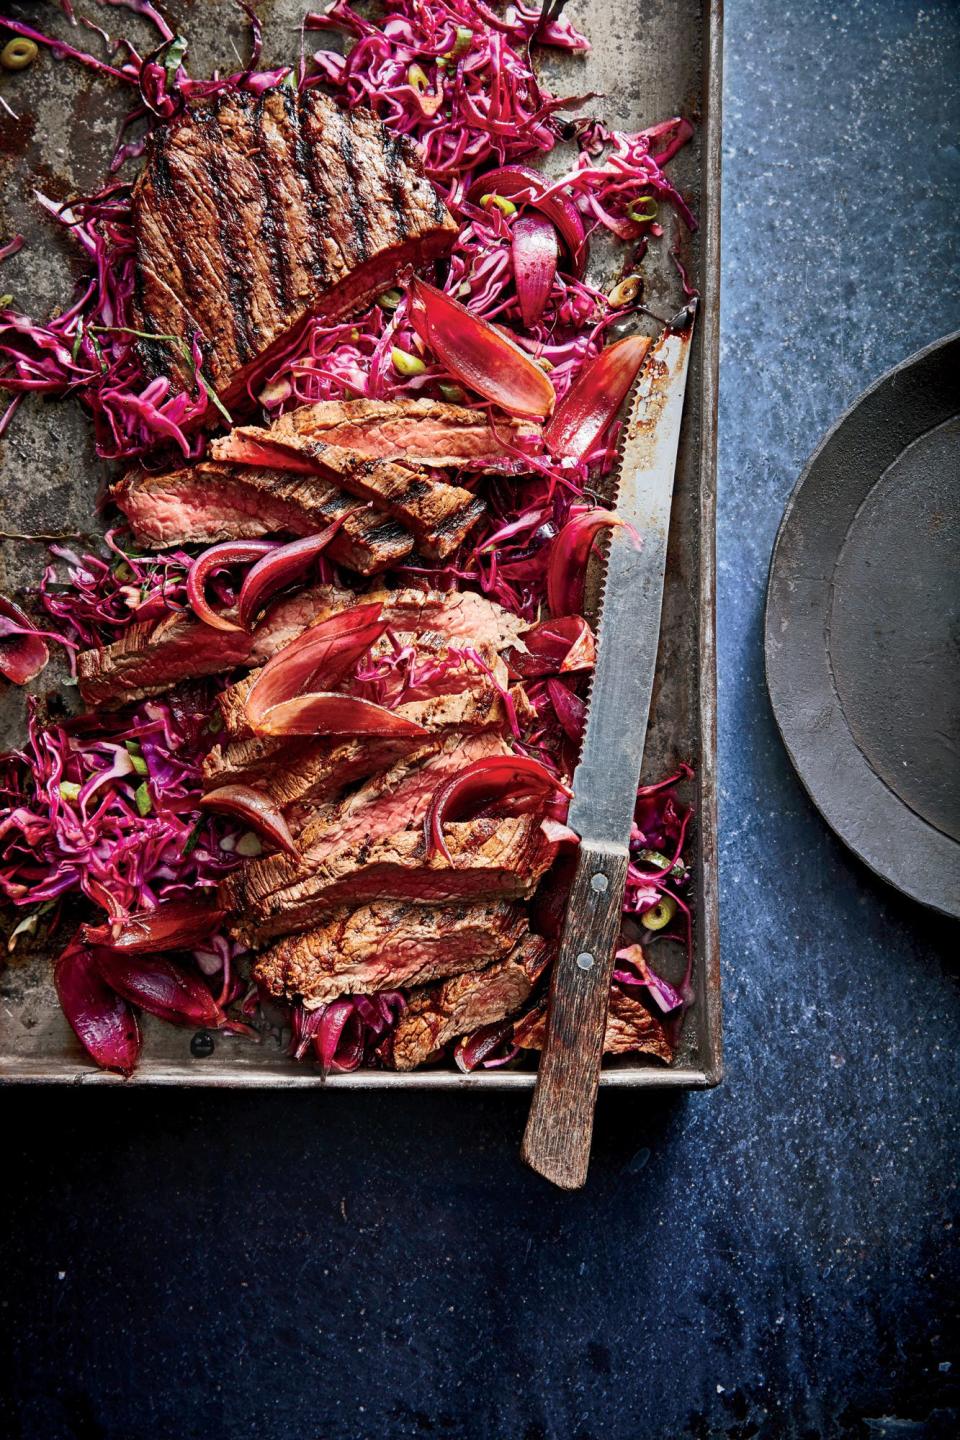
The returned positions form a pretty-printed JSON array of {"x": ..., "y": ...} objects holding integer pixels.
[{"x": 772, "y": 1259}]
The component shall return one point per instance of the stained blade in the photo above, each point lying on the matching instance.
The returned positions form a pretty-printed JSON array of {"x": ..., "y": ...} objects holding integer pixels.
[{"x": 605, "y": 780}]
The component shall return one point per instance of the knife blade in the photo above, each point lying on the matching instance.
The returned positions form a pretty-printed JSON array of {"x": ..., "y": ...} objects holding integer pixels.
[{"x": 560, "y": 1126}]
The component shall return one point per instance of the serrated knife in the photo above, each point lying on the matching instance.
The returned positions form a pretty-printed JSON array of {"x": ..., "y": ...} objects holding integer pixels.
[{"x": 560, "y": 1127}]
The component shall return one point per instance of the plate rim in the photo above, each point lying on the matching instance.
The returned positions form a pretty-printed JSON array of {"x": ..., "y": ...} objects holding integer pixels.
[{"x": 942, "y": 899}]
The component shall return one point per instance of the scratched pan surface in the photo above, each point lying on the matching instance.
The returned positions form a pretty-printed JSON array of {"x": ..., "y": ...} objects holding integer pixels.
[
  {"x": 863, "y": 617},
  {"x": 649, "y": 60}
]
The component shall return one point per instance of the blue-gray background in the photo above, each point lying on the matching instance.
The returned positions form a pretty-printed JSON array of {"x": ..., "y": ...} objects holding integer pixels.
[{"x": 776, "y": 1258}]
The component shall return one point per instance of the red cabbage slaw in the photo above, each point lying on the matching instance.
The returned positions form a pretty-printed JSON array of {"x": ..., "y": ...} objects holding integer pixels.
[{"x": 457, "y": 79}]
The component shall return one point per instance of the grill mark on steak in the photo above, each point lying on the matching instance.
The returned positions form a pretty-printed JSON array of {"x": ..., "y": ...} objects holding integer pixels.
[
  {"x": 272, "y": 178},
  {"x": 254, "y": 213},
  {"x": 391, "y": 150},
  {"x": 235, "y": 249},
  {"x": 439, "y": 514},
  {"x": 441, "y": 1013},
  {"x": 353, "y": 186},
  {"x": 216, "y": 501},
  {"x": 492, "y": 859},
  {"x": 386, "y": 945}
]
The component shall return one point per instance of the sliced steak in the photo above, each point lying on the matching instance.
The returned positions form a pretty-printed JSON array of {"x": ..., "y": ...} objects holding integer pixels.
[
  {"x": 302, "y": 769},
  {"x": 389, "y": 944},
  {"x": 255, "y": 212},
  {"x": 396, "y": 799},
  {"x": 441, "y": 1013},
  {"x": 631, "y": 1029},
  {"x": 492, "y": 859},
  {"x": 468, "y": 698},
  {"x": 439, "y": 514},
  {"x": 148, "y": 659},
  {"x": 428, "y": 431},
  {"x": 210, "y": 502}
]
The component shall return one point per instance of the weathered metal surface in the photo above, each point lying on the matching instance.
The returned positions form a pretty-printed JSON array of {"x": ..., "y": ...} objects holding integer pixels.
[
  {"x": 649, "y": 60},
  {"x": 861, "y": 627}
]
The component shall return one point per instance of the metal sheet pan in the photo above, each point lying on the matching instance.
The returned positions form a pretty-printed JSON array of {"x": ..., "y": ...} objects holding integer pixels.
[{"x": 649, "y": 61}]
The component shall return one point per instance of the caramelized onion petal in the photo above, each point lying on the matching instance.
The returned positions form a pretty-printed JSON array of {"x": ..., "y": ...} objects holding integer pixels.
[
  {"x": 516, "y": 779},
  {"x": 256, "y": 809},
  {"x": 100, "y": 1018},
  {"x": 595, "y": 397},
  {"x": 278, "y": 568},
  {"x": 171, "y": 925},
  {"x": 230, "y": 552},
  {"x": 479, "y": 355},
  {"x": 533, "y": 247},
  {"x": 160, "y": 987}
]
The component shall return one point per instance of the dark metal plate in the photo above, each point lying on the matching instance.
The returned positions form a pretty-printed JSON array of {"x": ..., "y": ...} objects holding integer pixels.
[{"x": 863, "y": 627}]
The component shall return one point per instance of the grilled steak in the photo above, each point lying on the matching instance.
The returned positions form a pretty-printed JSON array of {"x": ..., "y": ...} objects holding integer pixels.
[
  {"x": 255, "y": 212},
  {"x": 492, "y": 859},
  {"x": 210, "y": 502},
  {"x": 389, "y": 944},
  {"x": 148, "y": 659},
  {"x": 441, "y": 1013},
  {"x": 428, "y": 431},
  {"x": 298, "y": 770},
  {"x": 631, "y": 1029},
  {"x": 439, "y": 514}
]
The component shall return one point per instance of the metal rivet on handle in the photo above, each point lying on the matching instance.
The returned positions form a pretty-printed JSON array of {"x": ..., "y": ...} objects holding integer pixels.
[
  {"x": 585, "y": 960},
  {"x": 599, "y": 882}
]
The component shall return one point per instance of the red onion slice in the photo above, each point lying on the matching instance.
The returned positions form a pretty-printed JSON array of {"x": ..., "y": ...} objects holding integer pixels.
[
  {"x": 520, "y": 181},
  {"x": 23, "y": 653},
  {"x": 534, "y": 249},
  {"x": 555, "y": 647},
  {"x": 329, "y": 713},
  {"x": 592, "y": 401},
  {"x": 478, "y": 355},
  {"x": 161, "y": 988},
  {"x": 230, "y": 552},
  {"x": 279, "y": 568},
  {"x": 318, "y": 658},
  {"x": 569, "y": 553},
  {"x": 256, "y": 810},
  {"x": 101, "y": 1020},
  {"x": 517, "y": 779},
  {"x": 171, "y": 925}
]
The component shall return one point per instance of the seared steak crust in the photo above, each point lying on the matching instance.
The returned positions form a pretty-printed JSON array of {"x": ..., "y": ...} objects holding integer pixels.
[
  {"x": 441, "y": 1013},
  {"x": 430, "y": 432},
  {"x": 149, "y": 658},
  {"x": 255, "y": 212},
  {"x": 211, "y": 501},
  {"x": 492, "y": 859},
  {"x": 438, "y": 513},
  {"x": 389, "y": 944},
  {"x": 631, "y": 1029}
]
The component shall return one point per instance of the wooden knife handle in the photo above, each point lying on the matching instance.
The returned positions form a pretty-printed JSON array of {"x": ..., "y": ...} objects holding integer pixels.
[{"x": 560, "y": 1126}]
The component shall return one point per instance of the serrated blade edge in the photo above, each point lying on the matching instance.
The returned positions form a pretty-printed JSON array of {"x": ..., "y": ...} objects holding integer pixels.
[{"x": 631, "y": 596}]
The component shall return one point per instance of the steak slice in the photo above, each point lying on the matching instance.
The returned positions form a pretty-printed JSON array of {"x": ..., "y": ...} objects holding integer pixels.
[
  {"x": 302, "y": 769},
  {"x": 631, "y": 1029},
  {"x": 492, "y": 859},
  {"x": 427, "y": 431},
  {"x": 439, "y": 1014},
  {"x": 478, "y": 705},
  {"x": 396, "y": 799},
  {"x": 255, "y": 212},
  {"x": 386, "y": 945},
  {"x": 210, "y": 502},
  {"x": 438, "y": 513},
  {"x": 149, "y": 658}
]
